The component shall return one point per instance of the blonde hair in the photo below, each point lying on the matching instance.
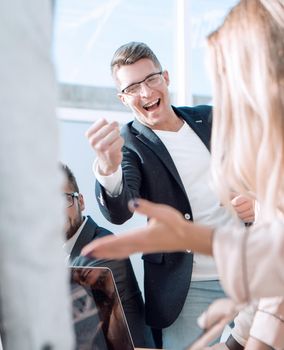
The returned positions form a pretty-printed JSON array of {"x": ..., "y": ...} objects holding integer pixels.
[{"x": 247, "y": 55}]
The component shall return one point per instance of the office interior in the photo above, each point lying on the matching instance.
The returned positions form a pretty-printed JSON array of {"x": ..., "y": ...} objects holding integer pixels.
[{"x": 86, "y": 34}]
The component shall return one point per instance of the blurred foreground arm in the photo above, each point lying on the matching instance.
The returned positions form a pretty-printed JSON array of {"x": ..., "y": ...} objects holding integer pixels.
[{"x": 34, "y": 289}]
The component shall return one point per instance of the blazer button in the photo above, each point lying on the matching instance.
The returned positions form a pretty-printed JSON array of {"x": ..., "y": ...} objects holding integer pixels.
[{"x": 187, "y": 216}]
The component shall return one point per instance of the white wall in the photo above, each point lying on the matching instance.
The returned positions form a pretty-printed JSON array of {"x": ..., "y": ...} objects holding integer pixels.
[{"x": 78, "y": 155}]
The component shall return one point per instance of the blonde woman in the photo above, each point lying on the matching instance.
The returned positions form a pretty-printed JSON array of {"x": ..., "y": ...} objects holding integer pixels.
[{"x": 247, "y": 55}]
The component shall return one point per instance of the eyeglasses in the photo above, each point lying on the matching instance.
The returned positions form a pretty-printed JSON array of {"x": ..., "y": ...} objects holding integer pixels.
[
  {"x": 151, "y": 81},
  {"x": 70, "y": 198}
]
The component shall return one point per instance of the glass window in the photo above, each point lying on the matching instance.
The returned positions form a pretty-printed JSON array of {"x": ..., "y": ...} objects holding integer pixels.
[
  {"x": 206, "y": 15},
  {"x": 88, "y": 32}
]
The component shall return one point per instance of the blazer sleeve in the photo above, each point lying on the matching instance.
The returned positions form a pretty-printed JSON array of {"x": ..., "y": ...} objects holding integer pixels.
[
  {"x": 115, "y": 209},
  {"x": 250, "y": 260}
]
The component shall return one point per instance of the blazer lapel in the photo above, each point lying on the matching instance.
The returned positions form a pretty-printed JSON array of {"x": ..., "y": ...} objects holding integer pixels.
[
  {"x": 197, "y": 124},
  {"x": 151, "y": 140}
]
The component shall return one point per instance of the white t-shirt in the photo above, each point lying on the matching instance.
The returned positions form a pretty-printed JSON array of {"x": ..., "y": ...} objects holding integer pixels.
[{"x": 192, "y": 160}]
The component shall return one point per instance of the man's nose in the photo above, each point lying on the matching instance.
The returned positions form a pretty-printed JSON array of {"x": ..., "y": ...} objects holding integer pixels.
[{"x": 145, "y": 90}]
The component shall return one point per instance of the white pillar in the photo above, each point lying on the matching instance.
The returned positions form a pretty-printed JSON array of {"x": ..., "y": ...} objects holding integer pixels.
[
  {"x": 34, "y": 304},
  {"x": 183, "y": 60}
]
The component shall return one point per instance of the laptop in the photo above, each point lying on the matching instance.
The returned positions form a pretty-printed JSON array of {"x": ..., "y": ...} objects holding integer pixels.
[{"x": 98, "y": 317}]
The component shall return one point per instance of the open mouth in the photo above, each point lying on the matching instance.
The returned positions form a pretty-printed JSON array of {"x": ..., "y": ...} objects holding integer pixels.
[{"x": 152, "y": 105}]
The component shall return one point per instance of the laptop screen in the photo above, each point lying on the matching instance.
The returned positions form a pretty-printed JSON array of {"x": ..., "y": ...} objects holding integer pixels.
[{"x": 98, "y": 317}]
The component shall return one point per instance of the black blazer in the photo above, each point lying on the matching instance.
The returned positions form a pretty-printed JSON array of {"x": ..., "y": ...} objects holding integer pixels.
[
  {"x": 149, "y": 172},
  {"x": 125, "y": 280}
]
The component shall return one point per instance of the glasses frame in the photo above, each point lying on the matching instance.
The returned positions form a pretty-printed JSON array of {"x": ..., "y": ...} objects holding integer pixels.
[
  {"x": 139, "y": 83},
  {"x": 73, "y": 195}
]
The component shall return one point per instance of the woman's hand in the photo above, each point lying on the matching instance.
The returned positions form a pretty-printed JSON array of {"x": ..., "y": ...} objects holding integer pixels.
[{"x": 166, "y": 231}]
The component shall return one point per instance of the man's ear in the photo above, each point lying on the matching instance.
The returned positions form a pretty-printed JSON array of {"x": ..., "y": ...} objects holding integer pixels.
[
  {"x": 81, "y": 202},
  {"x": 122, "y": 99},
  {"x": 166, "y": 77}
]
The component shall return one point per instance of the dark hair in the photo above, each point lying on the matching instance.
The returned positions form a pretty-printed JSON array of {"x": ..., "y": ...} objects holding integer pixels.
[
  {"x": 130, "y": 53},
  {"x": 70, "y": 177}
]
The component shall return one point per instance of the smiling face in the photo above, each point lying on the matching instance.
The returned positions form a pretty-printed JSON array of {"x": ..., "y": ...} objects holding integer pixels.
[{"x": 152, "y": 105}]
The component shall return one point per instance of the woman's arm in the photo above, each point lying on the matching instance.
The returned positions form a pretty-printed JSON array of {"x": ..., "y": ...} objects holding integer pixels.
[
  {"x": 249, "y": 260},
  {"x": 167, "y": 231}
]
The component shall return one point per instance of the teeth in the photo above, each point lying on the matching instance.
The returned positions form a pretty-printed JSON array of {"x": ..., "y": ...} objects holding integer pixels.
[{"x": 151, "y": 104}]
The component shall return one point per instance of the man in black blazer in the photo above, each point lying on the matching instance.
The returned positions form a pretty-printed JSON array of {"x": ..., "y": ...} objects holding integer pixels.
[
  {"x": 82, "y": 230},
  {"x": 157, "y": 162}
]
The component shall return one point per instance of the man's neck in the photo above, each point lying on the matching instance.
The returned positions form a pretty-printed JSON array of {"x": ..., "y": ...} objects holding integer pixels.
[{"x": 174, "y": 125}]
